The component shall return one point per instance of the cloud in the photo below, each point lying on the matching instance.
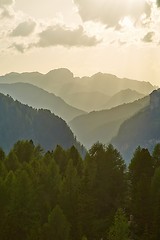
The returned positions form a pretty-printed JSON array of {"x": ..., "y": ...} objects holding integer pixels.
[
  {"x": 110, "y": 12},
  {"x": 58, "y": 35},
  {"x": 148, "y": 38},
  {"x": 7, "y": 13},
  {"x": 24, "y": 29},
  {"x": 4, "y": 3},
  {"x": 6, "y": 9},
  {"x": 19, "y": 47}
]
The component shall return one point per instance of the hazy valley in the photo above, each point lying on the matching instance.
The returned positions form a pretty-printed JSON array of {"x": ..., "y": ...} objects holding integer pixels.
[{"x": 94, "y": 107}]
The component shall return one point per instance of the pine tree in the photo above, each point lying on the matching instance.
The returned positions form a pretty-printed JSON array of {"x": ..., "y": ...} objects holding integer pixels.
[
  {"x": 57, "y": 226},
  {"x": 69, "y": 198},
  {"x": 120, "y": 228},
  {"x": 155, "y": 194},
  {"x": 140, "y": 174}
]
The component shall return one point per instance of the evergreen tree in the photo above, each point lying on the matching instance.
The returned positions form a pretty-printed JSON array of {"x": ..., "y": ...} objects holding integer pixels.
[
  {"x": 107, "y": 187},
  {"x": 2, "y": 154},
  {"x": 20, "y": 217},
  {"x": 24, "y": 150},
  {"x": 69, "y": 198},
  {"x": 120, "y": 229},
  {"x": 140, "y": 173},
  {"x": 156, "y": 155},
  {"x": 61, "y": 159},
  {"x": 11, "y": 162},
  {"x": 73, "y": 154},
  {"x": 57, "y": 226},
  {"x": 155, "y": 194}
]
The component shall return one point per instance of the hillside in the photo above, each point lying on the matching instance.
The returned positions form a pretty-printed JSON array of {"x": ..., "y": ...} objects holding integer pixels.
[
  {"x": 64, "y": 84},
  {"x": 104, "y": 125},
  {"x": 39, "y": 98},
  {"x": 142, "y": 129},
  {"x": 124, "y": 96},
  {"x": 18, "y": 121}
]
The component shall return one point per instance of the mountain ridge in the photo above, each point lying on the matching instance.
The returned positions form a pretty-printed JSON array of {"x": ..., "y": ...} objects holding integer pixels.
[
  {"x": 124, "y": 96},
  {"x": 108, "y": 121},
  {"x": 63, "y": 72},
  {"x": 21, "y": 122},
  {"x": 36, "y": 97},
  {"x": 140, "y": 130}
]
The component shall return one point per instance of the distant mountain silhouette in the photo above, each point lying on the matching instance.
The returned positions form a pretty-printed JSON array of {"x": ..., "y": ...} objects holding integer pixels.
[
  {"x": 53, "y": 81},
  {"x": 63, "y": 83},
  {"x": 104, "y": 125},
  {"x": 39, "y": 98},
  {"x": 141, "y": 129},
  {"x": 111, "y": 84},
  {"x": 124, "y": 96},
  {"x": 18, "y": 122}
]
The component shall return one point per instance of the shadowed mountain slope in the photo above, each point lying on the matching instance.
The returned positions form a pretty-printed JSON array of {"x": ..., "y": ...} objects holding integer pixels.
[
  {"x": 39, "y": 98},
  {"x": 104, "y": 125},
  {"x": 18, "y": 122},
  {"x": 143, "y": 129}
]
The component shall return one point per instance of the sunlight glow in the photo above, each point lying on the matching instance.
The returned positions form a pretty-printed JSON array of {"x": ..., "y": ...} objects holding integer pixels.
[{"x": 126, "y": 22}]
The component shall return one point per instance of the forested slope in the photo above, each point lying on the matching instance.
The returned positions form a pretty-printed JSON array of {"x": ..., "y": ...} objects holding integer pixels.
[{"x": 18, "y": 121}]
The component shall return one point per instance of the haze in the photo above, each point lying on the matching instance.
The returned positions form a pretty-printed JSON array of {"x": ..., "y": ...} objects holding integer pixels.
[{"x": 120, "y": 37}]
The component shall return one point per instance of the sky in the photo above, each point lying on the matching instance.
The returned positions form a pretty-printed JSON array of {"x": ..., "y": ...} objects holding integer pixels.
[{"x": 120, "y": 37}]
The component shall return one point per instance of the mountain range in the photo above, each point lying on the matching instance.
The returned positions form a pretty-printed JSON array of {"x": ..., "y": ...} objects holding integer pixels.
[
  {"x": 130, "y": 116},
  {"x": 103, "y": 125},
  {"x": 142, "y": 129},
  {"x": 19, "y": 121},
  {"x": 39, "y": 98},
  {"x": 81, "y": 92}
]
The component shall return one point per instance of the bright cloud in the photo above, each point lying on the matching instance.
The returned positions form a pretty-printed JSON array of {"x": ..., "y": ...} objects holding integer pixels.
[{"x": 110, "y": 12}]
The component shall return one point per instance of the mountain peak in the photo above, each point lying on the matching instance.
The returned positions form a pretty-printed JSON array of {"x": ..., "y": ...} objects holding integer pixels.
[
  {"x": 61, "y": 72},
  {"x": 155, "y": 99},
  {"x": 103, "y": 75}
]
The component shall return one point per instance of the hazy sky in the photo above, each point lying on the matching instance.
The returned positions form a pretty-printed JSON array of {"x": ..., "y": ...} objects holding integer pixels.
[{"x": 121, "y": 37}]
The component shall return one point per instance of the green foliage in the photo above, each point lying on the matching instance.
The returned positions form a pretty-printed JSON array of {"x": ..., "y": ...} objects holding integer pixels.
[
  {"x": 155, "y": 193},
  {"x": 69, "y": 198},
  {"x": 105, "y": 189},
  {"x": 12, "y": 162},
  {"x": 140, "y": 173},
  {"x": 156, "y": 155},
  {"x": 24, "y": 150},
  {"x": 57, "y": 195},
  {"x": 2, "y": 155},
  {"x": 57, "y": 226},
  {"x": 120, "y": 229},
  {"x": 60, "y": 158},
  {"x": 84, "y": 238}
]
